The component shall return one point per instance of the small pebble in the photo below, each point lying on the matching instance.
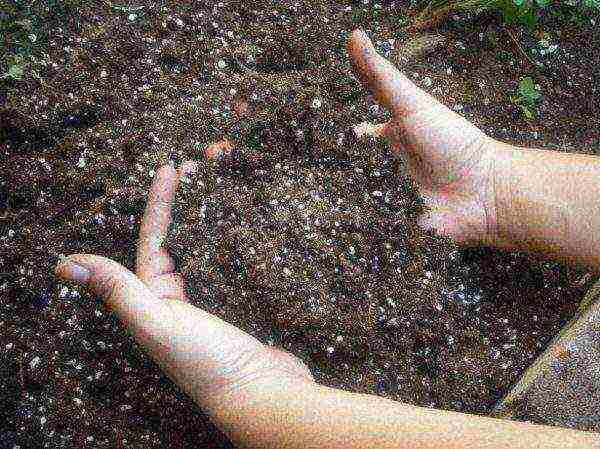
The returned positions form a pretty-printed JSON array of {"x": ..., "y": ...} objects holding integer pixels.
[{"x": 34, "y": 362}]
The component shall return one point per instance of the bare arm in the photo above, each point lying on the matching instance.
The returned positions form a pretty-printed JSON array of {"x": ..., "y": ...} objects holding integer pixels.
[
  {"x": 548, "y": 202},
  {"x": 306, "y": 416}
]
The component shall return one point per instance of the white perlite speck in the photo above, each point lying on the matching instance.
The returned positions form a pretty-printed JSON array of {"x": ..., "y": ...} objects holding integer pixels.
[{"x": 34, "y": 362}]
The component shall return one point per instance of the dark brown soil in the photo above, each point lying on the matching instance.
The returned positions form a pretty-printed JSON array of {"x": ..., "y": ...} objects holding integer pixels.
[{"x": 302, "y": 236}]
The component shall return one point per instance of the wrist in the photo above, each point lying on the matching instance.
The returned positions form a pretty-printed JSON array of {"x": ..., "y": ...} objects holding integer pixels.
[
  {"x": 546, "y": 202},
  {"x": 493, "y": 171},
  {"x": 263, "y": 413},
  {"x": 499, "y": 159}
]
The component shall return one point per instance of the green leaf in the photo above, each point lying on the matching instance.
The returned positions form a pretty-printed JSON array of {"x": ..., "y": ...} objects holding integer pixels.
[
  {"x": 509, "y": 16},
  {"x": 527, "y": 92},
  {"x": 577, "y": 18},
  {"x": 527, "y": 112},
  {"x": 16, "y": 72},
  {"x": 529, "y": 19},
  {"x": 253, "y": 140},
  {"x": 509, "y": 11},
  {"x": 527, "y": 83}
]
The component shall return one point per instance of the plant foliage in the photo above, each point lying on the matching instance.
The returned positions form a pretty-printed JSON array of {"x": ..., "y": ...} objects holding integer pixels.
[{"x": 526, "y": 96}]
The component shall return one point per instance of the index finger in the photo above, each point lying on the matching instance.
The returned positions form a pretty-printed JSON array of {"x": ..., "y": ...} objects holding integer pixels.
[
  {"x": 155, "y": 223},
  {"x": 391, "y": 87}
]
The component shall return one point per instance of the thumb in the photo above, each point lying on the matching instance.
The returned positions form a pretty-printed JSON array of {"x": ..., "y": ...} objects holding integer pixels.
[
  {"x": 391, "y": 87},
  {"x": 203, "y": 354},
  {"x": 120, "y": 289}
]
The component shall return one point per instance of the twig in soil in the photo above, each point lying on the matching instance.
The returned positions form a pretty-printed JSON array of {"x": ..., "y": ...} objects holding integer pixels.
[
  {"x": 123, "y": 8},
  {"x": 416, "y": 47},
  {"x": 22, "y": 378},
  {"x": 420, "y": 25},
  {"x": 519, "y": 47},
  {"x": 428, "y": 19}
]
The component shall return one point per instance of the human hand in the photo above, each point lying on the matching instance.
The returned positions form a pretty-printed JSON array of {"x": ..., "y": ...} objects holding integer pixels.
[
  {"x": 450, "y": 159},
  {"x": 204, "y": 355}
]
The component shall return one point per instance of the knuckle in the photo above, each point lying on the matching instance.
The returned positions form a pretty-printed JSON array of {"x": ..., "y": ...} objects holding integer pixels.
[{"x": 106, "y": 287}]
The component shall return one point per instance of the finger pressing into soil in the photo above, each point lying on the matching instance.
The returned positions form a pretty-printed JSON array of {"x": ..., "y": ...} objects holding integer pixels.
[
  {"x": 219, "y": 150},
  {"x": 155, "y": 223},
  {"x": 168, "y": 286}
]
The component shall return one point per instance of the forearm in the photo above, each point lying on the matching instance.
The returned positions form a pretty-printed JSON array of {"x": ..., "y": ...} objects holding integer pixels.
[
  {"x": 305, "y": 416},
  {"x": 548, "y": 202}
]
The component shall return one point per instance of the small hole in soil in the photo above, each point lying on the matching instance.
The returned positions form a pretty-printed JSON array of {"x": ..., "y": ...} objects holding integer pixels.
[
  {"x": 23, "y": 199},
  {"x": 24, "y": 139},
  {"x": 281, "y": 57},
  {"x": 235, "y": 166},
  {"x": 90, "y": 192},
  {"x": 170, "y": 62},
  {"x": 132, "y": 149},
  {"x": 85, "y": 117}
]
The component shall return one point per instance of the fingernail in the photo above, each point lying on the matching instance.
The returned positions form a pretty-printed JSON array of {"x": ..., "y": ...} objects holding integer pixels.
[{"x": 74, "y": 272}]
